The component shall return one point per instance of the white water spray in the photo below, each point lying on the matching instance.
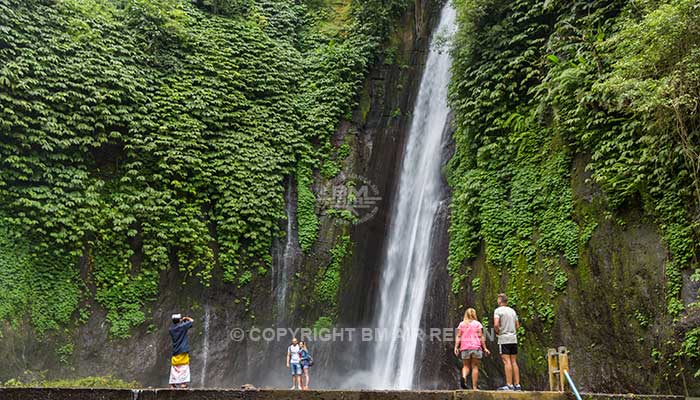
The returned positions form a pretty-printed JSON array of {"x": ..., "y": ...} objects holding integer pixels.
[
  {"x": 286, "y": 263},
  {"x": 407, "y": 259},
  {"x": 205, "y": 345}
]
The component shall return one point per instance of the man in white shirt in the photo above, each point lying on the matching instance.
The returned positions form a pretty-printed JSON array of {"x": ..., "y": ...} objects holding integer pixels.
[
  {"x": 294, "y": 363},
  {"x": 506, "y": 324}
]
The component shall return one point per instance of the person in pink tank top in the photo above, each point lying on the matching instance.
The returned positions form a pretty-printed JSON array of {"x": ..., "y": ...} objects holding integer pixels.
[{"x": 469, "y": 345}]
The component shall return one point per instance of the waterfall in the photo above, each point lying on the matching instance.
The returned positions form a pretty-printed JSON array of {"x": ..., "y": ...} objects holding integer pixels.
[
  {"x": 407, "y": 255},
  {"x": 205, "y": 345},
  {"x": 280, "y": 276}
]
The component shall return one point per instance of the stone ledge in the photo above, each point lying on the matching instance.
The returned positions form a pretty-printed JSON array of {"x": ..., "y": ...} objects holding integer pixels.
[
  {"x": 507, "y": 395},
  {"x": 268, "y": 394},
  {"x": 631, "y": 396}
]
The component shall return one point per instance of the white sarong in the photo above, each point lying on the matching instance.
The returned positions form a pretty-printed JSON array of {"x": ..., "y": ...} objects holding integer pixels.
[{"x": 179, "y": 374}]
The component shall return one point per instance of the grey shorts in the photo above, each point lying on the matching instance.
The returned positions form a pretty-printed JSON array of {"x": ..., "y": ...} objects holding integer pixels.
[{"x": 467, "y": 354}]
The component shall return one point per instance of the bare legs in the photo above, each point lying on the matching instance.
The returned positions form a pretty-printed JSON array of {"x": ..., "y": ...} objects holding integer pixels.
[
  {"x": 306, "y": 377},
  {"x": 465, "y": 369},
  {"x": 473, "y": 365},
  {"x": 296, "y": 380},
  {"x": 508, "y": 369},
  {"x": 475, "y": 373},
  {"x": 510, "y": 365},
  {"x": 516, "y": 369},
  {"x": 180, "y": 386}
]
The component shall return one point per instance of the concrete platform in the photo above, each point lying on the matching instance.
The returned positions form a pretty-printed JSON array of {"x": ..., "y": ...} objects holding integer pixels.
[{"x": 267, "y": 394}]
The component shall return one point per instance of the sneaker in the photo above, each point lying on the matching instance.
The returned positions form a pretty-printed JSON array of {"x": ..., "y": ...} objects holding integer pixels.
[
  {"x": 506, "y": 387},
  {"x": 518, "y": 388},
  {"x": 462, "y": 382}
]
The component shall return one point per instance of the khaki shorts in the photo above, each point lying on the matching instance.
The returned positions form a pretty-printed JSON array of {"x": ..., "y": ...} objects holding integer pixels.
[{"x": 467, "y": 354}]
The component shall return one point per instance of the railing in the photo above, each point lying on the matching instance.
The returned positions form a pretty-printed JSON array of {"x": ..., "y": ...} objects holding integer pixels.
[
  {"x": 558, "y": 363},
  {"x": 571, "y": 383}
]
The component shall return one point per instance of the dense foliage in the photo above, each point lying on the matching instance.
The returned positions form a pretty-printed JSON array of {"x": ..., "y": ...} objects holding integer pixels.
[
  {"x": 142, "y": 135},
  {"x": 538, "y": 86},
  {"x": 326, "y": 290},
  {"x": 86, "y": 382}
]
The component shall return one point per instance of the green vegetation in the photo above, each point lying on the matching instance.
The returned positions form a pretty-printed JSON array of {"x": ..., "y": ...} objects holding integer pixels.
[
  {"x": 538, "y": 84},
  {"x": 307, "y": 220},
  {"x": 34, "y": 285},
  {"x": 322, "y": 323},
  {"x": 137, "y": 134},
  {"x": 327, "y": 285},
  {"x": 108, "y": 382},
  {"x": 691, "y": 347},
  {"x": 65, "y": 352}
]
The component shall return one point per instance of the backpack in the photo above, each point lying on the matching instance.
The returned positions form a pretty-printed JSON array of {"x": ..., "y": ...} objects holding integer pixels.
[{"x": 309, "y": 359}]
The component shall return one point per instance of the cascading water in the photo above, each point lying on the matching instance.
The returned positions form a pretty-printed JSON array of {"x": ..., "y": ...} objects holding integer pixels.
[
  {"x": 286, "y": 259},
  {"x": 280, "y": 276},
  {"x": 205, "y": 345},
  {"x": 405, "y": 268}
]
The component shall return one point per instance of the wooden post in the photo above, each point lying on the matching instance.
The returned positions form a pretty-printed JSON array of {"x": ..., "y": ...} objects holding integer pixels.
[
  {"x": 553, "y": 367},
  {"x": 557, "y": 363},
  {"x": 563, "y": 358}
]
